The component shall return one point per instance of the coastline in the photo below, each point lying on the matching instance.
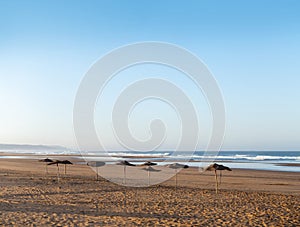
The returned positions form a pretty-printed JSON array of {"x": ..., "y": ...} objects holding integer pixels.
[
  {"x": 193, "y": 177},
  {"x": 284, "y": 163}
]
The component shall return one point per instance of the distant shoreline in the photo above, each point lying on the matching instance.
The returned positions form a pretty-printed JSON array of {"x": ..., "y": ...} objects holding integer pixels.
[{"x": 236, "y": 164}]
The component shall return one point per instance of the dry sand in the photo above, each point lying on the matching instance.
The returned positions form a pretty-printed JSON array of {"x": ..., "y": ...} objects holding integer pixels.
[{"x": 28, "y": 197}]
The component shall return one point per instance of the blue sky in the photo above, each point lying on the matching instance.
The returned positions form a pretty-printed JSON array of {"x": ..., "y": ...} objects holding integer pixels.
[{"x": 251, "y": 47}]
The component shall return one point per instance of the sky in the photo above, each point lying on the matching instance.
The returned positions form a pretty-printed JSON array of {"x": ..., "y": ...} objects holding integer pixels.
[{"x": 251, "y": 47}]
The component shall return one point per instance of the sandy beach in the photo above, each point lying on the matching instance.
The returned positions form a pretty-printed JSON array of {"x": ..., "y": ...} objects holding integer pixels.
[{"x": 29, "y": 197}]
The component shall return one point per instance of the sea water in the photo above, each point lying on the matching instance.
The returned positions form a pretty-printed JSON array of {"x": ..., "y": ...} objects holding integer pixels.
[{"x": 259, "y": 160}]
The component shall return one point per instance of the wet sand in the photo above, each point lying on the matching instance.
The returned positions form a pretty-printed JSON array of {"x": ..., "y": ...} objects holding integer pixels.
[{"x": 29, "y": 197}]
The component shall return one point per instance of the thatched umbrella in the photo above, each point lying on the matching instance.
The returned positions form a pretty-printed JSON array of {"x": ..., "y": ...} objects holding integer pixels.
[
  {"x": 177, "y": 166},
  {"x": 149, "y": 164},
  {"x": 150, "y": 169},
  {"x": 57, "y": 162},
  {"x": 215, "y": 167},
  {"x": 125, "y": 163},
  {"x": 66, "y": 162},
  {"x": 46, "y": 160},
  {"x": 96, "y": 165}
]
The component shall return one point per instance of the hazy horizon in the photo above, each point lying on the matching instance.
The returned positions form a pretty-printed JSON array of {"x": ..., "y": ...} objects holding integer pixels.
[{"x": 41, "y": 147}]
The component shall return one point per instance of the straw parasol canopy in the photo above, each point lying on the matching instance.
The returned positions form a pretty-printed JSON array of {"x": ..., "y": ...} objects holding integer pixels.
[
  {"x": 149, "y": 164},
  {"x": 125, "y": 163},
  {"x": 64, "y": 162},
  {"x": 46, "y": 160},
  {"x": 177, "y": 166}
]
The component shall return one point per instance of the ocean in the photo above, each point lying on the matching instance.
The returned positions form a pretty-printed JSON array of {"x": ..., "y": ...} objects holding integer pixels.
[{"x": 258, "y": 160}]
